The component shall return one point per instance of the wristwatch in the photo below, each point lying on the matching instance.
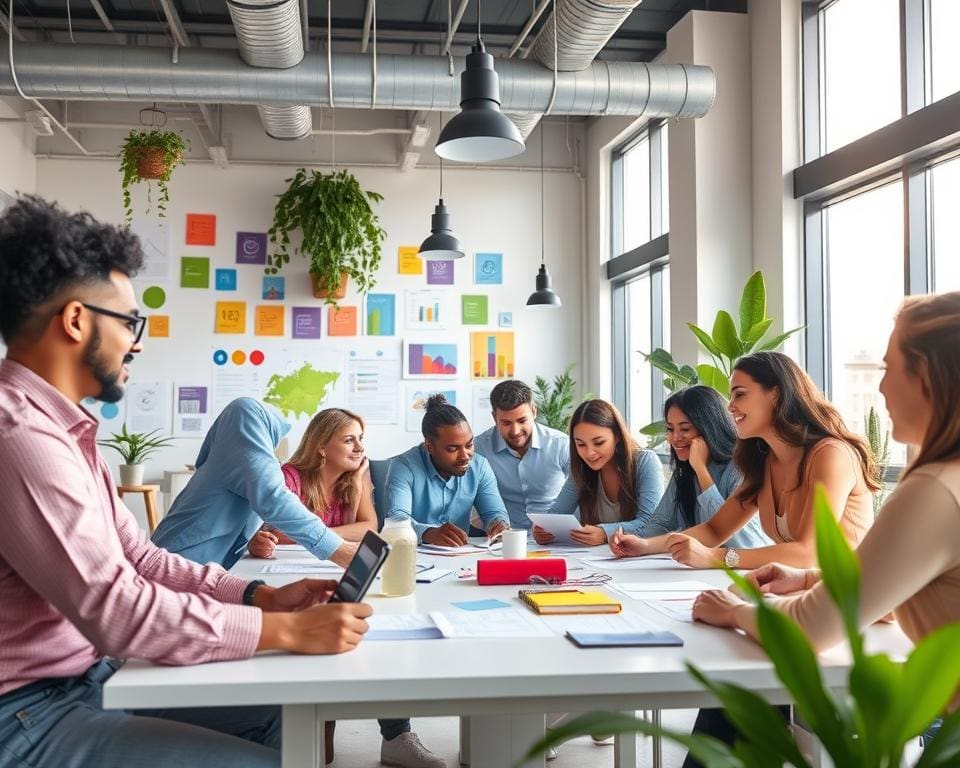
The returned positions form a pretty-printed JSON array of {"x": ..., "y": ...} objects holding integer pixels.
[
  {"x": 731, "y": 558},
  {"x": 250, "y": 589}
]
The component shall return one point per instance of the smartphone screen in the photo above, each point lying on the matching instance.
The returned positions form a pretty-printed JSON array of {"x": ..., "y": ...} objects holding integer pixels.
[{"x": 362, "y": 570}]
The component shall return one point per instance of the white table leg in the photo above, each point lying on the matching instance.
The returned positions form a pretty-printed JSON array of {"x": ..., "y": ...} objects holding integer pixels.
[
  {"x": 302, "y": 734},
  {"x": 625, "y": 748},
  {"x": 500, "y": 740},
  {"x": 464, "y": 741}
]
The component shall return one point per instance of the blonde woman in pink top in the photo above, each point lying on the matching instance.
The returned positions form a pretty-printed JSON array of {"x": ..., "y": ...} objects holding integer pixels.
[{"x": 330, "y": 474}]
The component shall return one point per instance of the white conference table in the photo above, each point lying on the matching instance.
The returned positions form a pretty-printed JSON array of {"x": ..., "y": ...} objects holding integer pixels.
[{"x": 503, "y": 686}]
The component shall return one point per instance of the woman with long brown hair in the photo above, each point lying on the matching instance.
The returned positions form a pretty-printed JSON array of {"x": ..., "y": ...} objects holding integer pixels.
[
  {"x": 910, "y": 559},
  {"x": 612, "y": 481},
  {"x": 330, "y": 475},
  {"x": 791, "y": 438}
]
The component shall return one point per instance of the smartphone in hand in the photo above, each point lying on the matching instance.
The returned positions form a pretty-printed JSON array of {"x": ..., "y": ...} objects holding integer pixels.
[{"x": 362, "y": 570}]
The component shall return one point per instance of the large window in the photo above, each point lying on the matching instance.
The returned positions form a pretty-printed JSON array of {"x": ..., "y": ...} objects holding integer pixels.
[
  {"x": 859, "y": 68},
  {"x": 945, "y": 219},
  {"x": 881, "y": 218},
  {"x": 639, "y": 272}
]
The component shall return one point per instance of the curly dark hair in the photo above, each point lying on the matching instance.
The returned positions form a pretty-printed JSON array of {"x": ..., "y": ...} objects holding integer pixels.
[
  {"x": 510, "y": 394},
  {"x": 45, "y": 250}
]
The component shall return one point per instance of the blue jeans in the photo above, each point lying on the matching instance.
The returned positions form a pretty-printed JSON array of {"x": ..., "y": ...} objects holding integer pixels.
[
  {"x": 390, "y": 729},
  {"x": 61, "y": 722}
]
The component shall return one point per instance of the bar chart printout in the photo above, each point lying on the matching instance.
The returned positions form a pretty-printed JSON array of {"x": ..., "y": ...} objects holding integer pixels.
[
  {"x": 381, "y": 314},
  {"x": 428, "y": 310},
  {"x": 430, "y": 360},
  {"x": 492, "y": 355}
]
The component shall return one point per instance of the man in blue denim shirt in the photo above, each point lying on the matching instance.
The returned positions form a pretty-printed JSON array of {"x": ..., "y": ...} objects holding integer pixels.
[
  {"x": 531, "y": 461},
  {"x": 437, "y": 482}
]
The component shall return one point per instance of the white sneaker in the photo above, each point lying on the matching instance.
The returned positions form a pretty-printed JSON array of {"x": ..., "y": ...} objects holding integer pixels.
[{"x": 406, "y": 751}]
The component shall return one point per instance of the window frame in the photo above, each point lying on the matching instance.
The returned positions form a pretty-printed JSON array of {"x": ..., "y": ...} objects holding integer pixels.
[{"x": 905, "y": 149}]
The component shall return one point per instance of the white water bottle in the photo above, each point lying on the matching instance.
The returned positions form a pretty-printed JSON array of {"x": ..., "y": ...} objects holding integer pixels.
[{"x": 400, "y": 569}]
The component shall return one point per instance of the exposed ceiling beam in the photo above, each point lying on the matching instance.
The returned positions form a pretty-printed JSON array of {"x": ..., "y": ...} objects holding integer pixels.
[
  {"x": 6, "y": 24},
  {"x": 537, "y": 13},
  {"x": 455, "y": 25},
  {"x": 102, "y": 14},
  {"x": 367, "y": 24},
  {"x": 176, "y": 26},
  {"x": 305, "y": 21}
]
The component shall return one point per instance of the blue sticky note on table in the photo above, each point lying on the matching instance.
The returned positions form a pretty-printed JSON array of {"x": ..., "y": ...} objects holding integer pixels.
[{"x": 481, "y": 605}]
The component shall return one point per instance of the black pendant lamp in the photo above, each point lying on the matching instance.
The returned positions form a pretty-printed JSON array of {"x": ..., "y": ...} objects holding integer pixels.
[
  {"x": 442, "y": 243},
  {"x": 480, "y": 133},
  {"x": 544, "y": 296}
]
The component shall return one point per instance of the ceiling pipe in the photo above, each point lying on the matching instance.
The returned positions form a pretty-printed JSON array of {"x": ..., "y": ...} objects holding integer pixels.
[{"x": 120, "y": 73}]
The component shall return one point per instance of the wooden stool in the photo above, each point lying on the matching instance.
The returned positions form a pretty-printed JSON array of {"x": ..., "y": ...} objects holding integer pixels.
[{"x": 149, "y": 500}]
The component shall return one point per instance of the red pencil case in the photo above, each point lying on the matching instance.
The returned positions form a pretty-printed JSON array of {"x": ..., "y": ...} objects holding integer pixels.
[{"x": 552, "y": 569}]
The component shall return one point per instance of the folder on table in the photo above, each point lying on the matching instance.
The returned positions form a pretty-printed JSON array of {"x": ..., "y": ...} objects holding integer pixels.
[{"x": 547, "y": 602}]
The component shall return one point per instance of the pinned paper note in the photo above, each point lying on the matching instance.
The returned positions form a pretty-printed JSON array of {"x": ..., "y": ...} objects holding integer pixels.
[
  {"x": 492, "y": 355},
  {"x": 201, "y": 229},
  {"x": 474, "y": 309},
  {"x": 409, "y": 261},
  {"x": 488, "y": 268},
  {"x": 342, "y": 321},
  {"x": 194, "y": 272},
  {"x": 251, "y": 247},
  {"x": 226, "y": 280},
  {"x": 269, "y": 320},
  {"x": 306, "y": 322},
  {"x": 158, "y": 326},
  {"x": 381, "y": 314},
  {"x": 231, "y": 317},
  {"x": 273, "y": 288},
  {"x": 440, "y": 272}
]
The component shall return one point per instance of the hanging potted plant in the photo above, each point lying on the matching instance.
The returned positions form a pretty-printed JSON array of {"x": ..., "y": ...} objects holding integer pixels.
[
  {"x": 134, "y": 448},
  {"x": 150, "y": 156},
  {"x": 340, "y": 233}
]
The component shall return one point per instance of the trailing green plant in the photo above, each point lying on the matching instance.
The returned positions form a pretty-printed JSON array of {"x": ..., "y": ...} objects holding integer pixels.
[
  {"x": 879, "y": 442},
  {"x": 135, "y": 447},
  {"x": 726, "y": 344},
  {"x": 340, "y": 231},
  {"x": 555, "y": 402},
  {"x": 887, "y": 702},
  {"x": 172, "y": 147}
]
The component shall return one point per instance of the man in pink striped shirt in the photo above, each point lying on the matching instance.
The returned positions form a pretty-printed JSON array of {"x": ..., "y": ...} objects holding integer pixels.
[{"x": 79, "y": 580}]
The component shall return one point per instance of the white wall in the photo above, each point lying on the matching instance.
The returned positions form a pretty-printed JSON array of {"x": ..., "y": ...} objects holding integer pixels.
[
  {"x": 18, "y": 168},
  {"x": 492, "y": 211}
]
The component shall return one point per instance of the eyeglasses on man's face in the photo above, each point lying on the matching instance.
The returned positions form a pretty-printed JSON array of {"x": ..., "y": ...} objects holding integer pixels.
[{"x": 135, "y": 323}]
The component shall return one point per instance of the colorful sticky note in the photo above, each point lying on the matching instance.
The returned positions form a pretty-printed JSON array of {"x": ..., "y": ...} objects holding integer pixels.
[
  {"x": 251, "y": 247},
  {"x": 154, "y": 297},
  {"x": 225, "y": 279},
  {"x": 409, "y": 261},
  {"x": 158, "y": 326},
  {"x": 201, "y": 229},
  {"x": 306, "y": 322},
  {"x": 505, "y": 319},
  {"x": 268, "y": 320},
  {"x": 381, "y": 314},
  {"x": 440, "y": 272},
  {"x": 342, "y": 321},
  {"x": 194, "y": 272},
  {"x": 231, "y": 317},
  {"x": 488, "y": 268},
  {"x": 273, "y": 288},
  {"x": 474, "y": 309},
  {"x": 492, "y": 355}
]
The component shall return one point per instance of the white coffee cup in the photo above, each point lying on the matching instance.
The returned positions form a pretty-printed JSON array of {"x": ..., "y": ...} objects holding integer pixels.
[{"x": 514, "y": 544}]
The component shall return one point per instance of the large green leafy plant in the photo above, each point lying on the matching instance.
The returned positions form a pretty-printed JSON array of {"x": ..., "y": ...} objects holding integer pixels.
[
  {"x": 340, "y": 231},
  {"x": 887, "y": 703},
  {"x": 135, "y": 447},
  {"x": 150, "y": 156},
  {"x": 555, "y": 401},
  {"x": 725, "y": 344}
]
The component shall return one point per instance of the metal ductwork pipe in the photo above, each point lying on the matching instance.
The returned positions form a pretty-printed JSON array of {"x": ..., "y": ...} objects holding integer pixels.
[
  {"x": 269, "y": 35},
  {"x": 583, "y": 28},
  {"x": 210, "y": 76}
]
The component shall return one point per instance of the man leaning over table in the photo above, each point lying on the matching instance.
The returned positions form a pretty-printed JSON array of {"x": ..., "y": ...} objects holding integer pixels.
[
  {"x": 530, "y": 461},
  {"x": 79, "y": 580},
  {"x": 435, "y": 484}
]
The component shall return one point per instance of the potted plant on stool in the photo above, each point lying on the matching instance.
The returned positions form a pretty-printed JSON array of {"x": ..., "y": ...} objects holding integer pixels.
[
  {"x": 341, "y": 235},
  {"x": 134, "y": 448}
]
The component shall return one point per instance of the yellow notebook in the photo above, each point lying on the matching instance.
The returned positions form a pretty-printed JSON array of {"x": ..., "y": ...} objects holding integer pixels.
[{"x": 569, "y": 601}]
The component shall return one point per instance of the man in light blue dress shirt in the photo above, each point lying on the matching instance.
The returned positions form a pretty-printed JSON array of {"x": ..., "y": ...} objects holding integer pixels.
[
  {"x": 436, "y": 483},
  {"x": 531, "y": 461}
]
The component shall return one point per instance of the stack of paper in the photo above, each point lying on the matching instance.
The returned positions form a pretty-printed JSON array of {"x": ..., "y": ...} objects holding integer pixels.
[
  {"x": 466, "y": 549},
  {"x": 499, "y": 624},
  {"x": 303, "y": 565},
  {"x": 669, "y": 590},
  {"x": 651, "y": 562}
]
